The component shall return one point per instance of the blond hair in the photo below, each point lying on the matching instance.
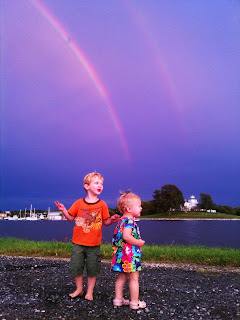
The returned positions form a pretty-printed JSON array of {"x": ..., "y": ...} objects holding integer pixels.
[
  {"x": 89, "y": 177},
  {"x": 126, "y": 200}
]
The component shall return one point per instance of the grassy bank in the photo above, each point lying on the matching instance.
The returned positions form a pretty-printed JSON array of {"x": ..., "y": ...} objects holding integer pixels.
[
  {"x": 157, "y": 254},
  {"x": 191, "y": 215}
]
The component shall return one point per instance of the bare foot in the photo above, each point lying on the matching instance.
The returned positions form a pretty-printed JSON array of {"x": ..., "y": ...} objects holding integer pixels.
[
  {"x": 89, "y": 297},
  {"x": 76, "y": 293}
]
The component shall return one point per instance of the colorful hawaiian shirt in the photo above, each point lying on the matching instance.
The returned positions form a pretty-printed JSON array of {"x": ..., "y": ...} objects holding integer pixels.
[{"x": 126, "y": 258}]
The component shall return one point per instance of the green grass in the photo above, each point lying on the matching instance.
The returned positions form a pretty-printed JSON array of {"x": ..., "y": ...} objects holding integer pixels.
[
  {"x": 18, "y": 247},
  {"x": 193, "y": 255},
  {"x": 157, "y": 254},
  {"x": 192, "y": 215}
]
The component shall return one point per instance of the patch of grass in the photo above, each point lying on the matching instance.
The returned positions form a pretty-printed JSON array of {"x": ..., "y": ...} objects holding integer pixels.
[
  {"x": 19, "y": 247},
  {"x": 156, "y": 254},
  {"x": 192, "y": 254},
  {"x": 191, "y": 215}
]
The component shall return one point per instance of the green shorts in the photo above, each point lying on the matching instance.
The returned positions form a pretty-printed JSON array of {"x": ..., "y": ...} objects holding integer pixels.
[{"x": 84, "y": 254}]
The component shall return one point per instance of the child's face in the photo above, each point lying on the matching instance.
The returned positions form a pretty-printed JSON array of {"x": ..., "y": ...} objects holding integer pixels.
[
  {"x": 136, "y": 208},
  {"x": 95, "y": 187}
]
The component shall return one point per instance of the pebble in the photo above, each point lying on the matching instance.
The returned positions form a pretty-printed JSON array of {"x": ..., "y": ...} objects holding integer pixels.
[{"x": 35, "y": 288}]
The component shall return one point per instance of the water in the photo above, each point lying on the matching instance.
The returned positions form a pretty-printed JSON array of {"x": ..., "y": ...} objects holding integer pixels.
[{"x": 214, "y": 233}]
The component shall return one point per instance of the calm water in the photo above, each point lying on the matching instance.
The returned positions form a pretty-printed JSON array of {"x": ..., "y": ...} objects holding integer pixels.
[{"x": 208, "y": 233}]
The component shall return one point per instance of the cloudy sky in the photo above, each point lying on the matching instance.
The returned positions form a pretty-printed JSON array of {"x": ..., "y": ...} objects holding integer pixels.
[{"x": 145, "y": 92}]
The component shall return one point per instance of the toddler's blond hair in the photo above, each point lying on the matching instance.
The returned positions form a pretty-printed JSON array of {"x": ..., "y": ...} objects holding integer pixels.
[
  {"x": 126, "y": 200},
  {"x": 89, "y": 177}
]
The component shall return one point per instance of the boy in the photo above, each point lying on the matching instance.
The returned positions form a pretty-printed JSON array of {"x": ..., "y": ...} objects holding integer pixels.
[{"x": 90, "y": 214}]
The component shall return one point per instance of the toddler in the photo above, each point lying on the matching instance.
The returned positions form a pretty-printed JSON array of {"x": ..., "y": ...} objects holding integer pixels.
[{"x": 126, "y": 244}]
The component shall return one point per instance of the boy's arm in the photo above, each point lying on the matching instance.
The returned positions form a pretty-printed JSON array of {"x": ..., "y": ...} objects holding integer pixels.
[
  {"x": 111, "y": 220},
  {"x": 62, "y": 208}
]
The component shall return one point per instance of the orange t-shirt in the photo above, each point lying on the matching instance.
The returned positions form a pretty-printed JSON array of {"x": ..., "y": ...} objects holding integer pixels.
[{"x": 88, "y": 222}]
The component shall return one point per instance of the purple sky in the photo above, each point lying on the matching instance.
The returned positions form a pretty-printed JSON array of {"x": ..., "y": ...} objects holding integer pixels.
[{"x": 156, "y": 100}]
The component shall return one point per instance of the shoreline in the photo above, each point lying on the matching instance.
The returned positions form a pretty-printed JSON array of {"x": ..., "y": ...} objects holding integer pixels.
[
  {"x": 191, "y": 219},
  {"x": 145, "y": 217}
]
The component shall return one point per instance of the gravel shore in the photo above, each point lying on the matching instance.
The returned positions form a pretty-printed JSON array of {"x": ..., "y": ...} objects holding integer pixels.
[{"x": 35, "y": 288}]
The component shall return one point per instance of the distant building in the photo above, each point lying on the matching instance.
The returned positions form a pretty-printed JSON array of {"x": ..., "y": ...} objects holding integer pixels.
[
  {"x": 3, "y": 215},
  {"x": 41, "y": 217},
  {"x": 55, "y": 215},
  {"x": 191, "y": 203}
]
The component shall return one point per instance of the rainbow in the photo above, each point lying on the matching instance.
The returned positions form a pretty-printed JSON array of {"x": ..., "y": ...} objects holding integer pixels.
[
  {"x": 61, "y": 31},
  {"x": 140, "y": 22}
]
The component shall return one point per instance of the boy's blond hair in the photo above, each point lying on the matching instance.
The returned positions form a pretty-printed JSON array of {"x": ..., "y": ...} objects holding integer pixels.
[
  {"x": 89, "y": 177},
  {"x": 126, "y": 200}
]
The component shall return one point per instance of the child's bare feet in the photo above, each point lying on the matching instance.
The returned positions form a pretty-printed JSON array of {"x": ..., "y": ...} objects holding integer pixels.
[
  {"x": 89, "y": 296},
  {"x": 76, "y": 293},
  {"x": 91, "y": 283}
]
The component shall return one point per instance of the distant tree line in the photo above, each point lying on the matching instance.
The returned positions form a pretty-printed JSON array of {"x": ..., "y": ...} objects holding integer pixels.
[{"x": 170, "y": 199}]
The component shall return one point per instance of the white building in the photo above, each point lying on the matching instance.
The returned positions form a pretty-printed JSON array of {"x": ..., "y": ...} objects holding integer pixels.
[
  {"x": 4, "y": 215},
  {"x": 55, "y": 215},
  {"x": 191, "y": 203}
]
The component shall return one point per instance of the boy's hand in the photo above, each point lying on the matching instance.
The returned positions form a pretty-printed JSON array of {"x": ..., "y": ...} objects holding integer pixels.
[
  {"x": 115, "y": 218},
  {"x": 110, "y": 220},
  {"x": 60, "y": 206}
]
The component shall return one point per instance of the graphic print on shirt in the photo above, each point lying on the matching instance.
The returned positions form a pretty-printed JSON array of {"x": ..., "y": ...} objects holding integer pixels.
[{"x": 90, "y": 219}]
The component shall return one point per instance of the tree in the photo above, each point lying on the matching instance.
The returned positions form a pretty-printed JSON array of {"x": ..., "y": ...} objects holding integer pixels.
[
  {"x": 225, "y": 209},
  {"x": 171, "y": 198},
  {"x": 156, "y": 201},
  {"x": 147, "y": 207},
  {"x": 237, "y": 210},
  {"x": 206, "y": 201}
]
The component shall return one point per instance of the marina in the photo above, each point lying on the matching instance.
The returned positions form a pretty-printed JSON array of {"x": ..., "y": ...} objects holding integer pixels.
[{"x": 32, "y": 215}]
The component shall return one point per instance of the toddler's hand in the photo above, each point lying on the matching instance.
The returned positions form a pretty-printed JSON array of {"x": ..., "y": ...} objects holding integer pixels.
[{"x": 141, "y": 243}]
